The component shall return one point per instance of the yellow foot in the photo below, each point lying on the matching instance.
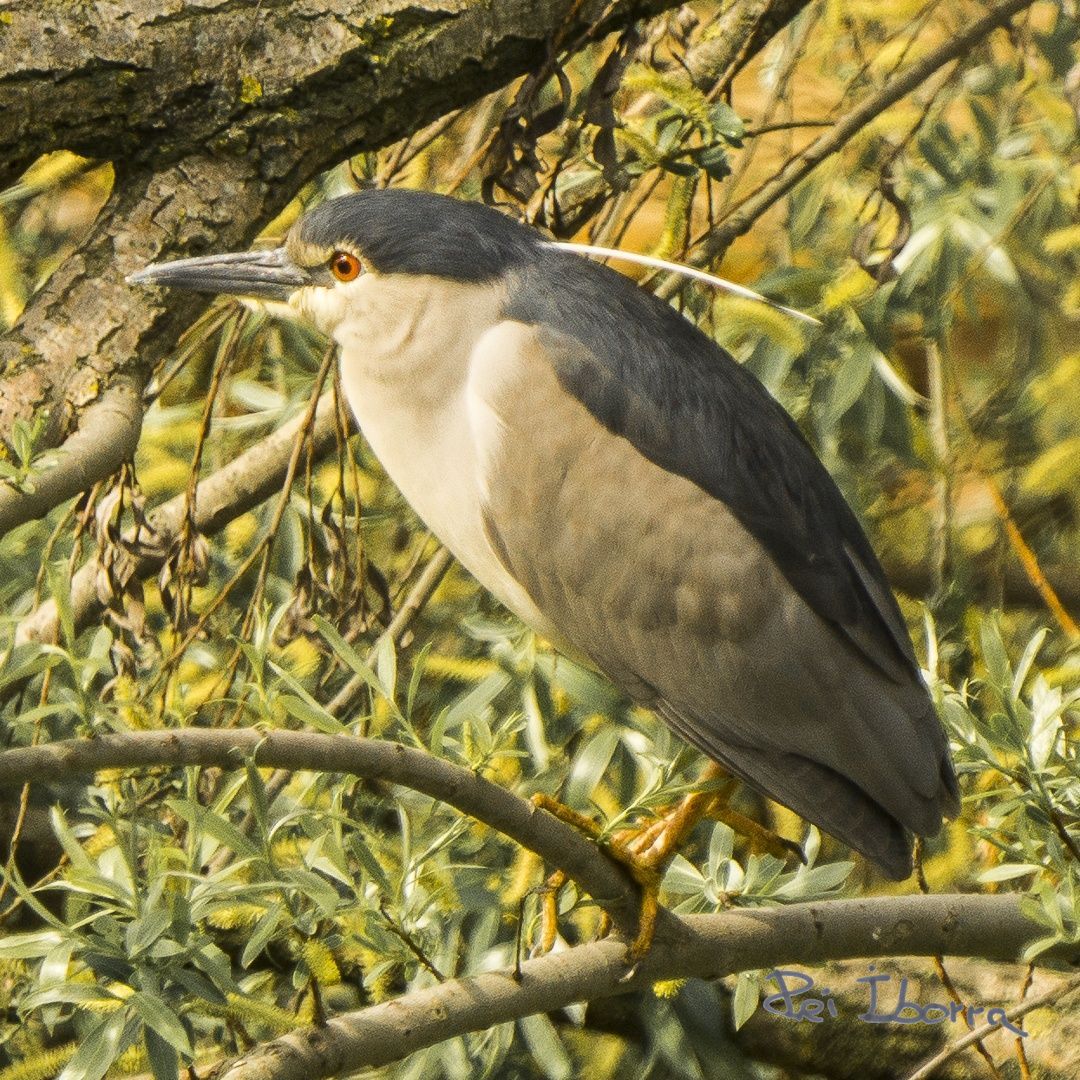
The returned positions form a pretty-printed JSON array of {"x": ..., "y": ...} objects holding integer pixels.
[{"x": 646, "y": 851}]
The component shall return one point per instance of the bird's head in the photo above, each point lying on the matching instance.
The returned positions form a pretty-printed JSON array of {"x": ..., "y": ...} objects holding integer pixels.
[{"x": 332, "y": 254}]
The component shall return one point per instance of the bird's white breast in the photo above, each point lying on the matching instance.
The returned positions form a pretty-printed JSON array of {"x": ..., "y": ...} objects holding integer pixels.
[{"x": 408, "y": 348}]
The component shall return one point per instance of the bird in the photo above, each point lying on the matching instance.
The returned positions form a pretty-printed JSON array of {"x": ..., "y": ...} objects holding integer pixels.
[{"x": 626, "y": 488}]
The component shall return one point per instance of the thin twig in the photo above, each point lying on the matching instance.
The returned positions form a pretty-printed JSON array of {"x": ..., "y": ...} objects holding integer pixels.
[
  {"x": 234, "y": 489},
  {"x": 1058, "y": 994},
  {"x": 847, "y": 127},
  {"x": 1030, "y": 562},
  {"x": 262, "y": 547},
  {"x": 418, "y": 596}
]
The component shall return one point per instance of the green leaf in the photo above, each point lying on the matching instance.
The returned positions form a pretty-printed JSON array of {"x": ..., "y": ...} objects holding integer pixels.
[
  {"x": 678, "y": 167},
  {"x": 1008, "y": 871},
  {"x": 59, "y": 577},
  {"x": 157, "y": 1015},
  {"x": 22, "y": 442},
  {"x": 359, "y": 849},
  {"x": 747, "y": 996},
  {"x": 475, "y": 700},
  {"x": 260, "y": 805},
  {"x": 29, "y": 946},
  {"x": 715, "y": 161},
  {"x": 386, "y": 665},
  {"x": 353, "y": 659},
  {"x": 310, "y": 713},
  {"x": 1055, "y": 471},
  {"x": 1025, "y": 662},
  {"x": 163, "y": 1058},
  {"x": 848, "y": 383},
  {"x": 547, "y": 1049},
  {"x": 727, "y": 122},
  {"x": 142, "y": 932},
  {"x": 98, "y": 1049},
  {"x": 683, "y": 878},
  {"x": 590, "y": 764},
  {"x": 215, "y": 825},
  {"x": 262, "y": 933},
  {"x": 993, "y": 648}
]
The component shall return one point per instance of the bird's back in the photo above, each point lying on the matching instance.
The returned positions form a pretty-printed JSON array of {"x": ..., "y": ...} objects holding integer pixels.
[{"x": 695, "y": 548}]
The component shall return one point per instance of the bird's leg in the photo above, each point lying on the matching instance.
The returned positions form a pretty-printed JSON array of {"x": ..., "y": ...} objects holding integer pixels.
[
  {"x": 687, "y": 813},
  {"x": 549, "y": 892},
  {"x": 644, "y": 852}
]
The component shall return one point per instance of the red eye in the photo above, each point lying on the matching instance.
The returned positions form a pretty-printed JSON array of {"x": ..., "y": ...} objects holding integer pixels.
[{"x": 344, "y": 265}]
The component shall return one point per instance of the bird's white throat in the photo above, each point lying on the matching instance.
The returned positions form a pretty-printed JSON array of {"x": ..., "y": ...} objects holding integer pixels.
[{"x": 407, "y": 375}]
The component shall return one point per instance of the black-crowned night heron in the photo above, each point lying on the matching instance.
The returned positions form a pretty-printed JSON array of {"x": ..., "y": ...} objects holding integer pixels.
[{"x": 628, "y": 490}]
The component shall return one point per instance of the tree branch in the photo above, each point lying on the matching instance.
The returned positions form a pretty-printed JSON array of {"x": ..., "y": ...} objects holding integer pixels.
[
  {"x": 107, "y": 435},
  {"x": 707, "y": 946},
  {"x": 1055, "y": 996},
  {"x": 991, "y": 927},
  {"x": 283, "y": 80},
  {"x": 558, "y": 844},
  {"x": 87, "y": 332}
]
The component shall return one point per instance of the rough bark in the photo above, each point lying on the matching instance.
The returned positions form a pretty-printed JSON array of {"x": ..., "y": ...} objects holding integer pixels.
[{"x": 294, "y": 85}]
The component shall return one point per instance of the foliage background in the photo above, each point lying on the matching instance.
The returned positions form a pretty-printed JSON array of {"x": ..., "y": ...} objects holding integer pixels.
[{"x": 158, "y": 918}]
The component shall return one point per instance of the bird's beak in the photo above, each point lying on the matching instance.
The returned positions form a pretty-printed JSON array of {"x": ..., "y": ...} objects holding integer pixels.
[{"x": 262, "y": 275}]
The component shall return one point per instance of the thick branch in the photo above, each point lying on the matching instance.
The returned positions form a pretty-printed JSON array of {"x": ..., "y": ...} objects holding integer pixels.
[
  {"x": 707, "y": 946},
  {"x": 556, "y": 843},
  {"x": 87, "y": 332},
  {"x": 299, "y": 83}
]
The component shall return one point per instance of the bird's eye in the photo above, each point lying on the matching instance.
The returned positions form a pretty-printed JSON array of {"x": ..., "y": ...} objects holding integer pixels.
[{"x": 344, "y": 265}]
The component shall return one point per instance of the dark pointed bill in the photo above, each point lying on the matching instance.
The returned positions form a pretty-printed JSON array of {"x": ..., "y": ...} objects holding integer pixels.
[{"x": 265, "y": 275}]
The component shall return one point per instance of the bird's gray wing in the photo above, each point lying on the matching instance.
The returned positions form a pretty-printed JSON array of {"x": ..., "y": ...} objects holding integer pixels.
[
  {"x": 650, "y": 375},
  {"x": 660, "y": 584}
]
